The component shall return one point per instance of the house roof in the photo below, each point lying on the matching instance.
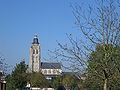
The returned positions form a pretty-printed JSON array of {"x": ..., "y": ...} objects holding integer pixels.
[
  {"x": 76, "y": 74},
  {"x": 68, "y": 73},
  {"x": 49, "y": 65}
]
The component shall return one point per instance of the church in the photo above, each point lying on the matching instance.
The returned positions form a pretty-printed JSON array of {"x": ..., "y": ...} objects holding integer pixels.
[{"x": 48, "y": 69}]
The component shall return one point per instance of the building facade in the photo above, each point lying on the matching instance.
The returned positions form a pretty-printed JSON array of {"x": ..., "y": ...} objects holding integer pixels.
[
  {"x": 2, "y": 81},
  {"x": 34, "y": 62},
  {"x": 48, "y": 69}
]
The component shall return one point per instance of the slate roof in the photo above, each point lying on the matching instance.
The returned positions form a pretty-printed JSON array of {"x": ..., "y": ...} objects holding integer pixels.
[
  {"x": 67, "y": 73},
  {"x": 35, "y": 40},
  {"x": 1, "y": 62},
  {"x": 48, "y": 65}
]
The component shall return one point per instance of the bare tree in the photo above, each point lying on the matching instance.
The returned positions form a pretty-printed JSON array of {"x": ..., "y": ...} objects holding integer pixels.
[
  {"x": 3, "y": 65},
  {"x": 99, "y": 24}
]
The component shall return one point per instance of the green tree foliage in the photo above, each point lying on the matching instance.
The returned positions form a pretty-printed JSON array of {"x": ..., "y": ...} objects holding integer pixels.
[
  {"x": 69, "y": 81},
  {"x": 3, "y": 65},
  {"x": 99, "y": 24},
  {"x": 17, "y": 79},
  {"x": 37, "y": 80},
  {"x": 104, "y": 65},
  {"x": 57, "y": 81},
  {"x": 10, "y": 84}
]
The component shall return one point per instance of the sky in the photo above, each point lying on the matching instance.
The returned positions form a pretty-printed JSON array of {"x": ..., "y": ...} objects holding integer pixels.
[{"x": 21, "y": 19}]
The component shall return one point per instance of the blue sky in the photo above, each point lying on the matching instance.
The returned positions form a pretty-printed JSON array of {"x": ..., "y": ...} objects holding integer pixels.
[{"x": 21, "y": 19}]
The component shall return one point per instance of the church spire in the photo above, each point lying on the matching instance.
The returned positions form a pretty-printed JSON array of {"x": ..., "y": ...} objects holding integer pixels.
[{"x": 35, "y": 40}]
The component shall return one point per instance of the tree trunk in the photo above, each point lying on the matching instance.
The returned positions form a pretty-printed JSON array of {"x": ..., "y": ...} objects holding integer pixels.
[{"x": 105, "y": 84}]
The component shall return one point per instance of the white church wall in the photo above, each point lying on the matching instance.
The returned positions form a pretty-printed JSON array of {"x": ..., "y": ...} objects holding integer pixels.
[{"x": 51, "y": 71}]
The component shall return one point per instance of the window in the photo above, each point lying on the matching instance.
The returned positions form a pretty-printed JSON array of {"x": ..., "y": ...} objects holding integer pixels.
[
  {"x": 49, "y": 71},
  {"x": 33, "y": 51},
  {"x": 45, "y": 71},
  {"x": 54, "y": 71},
  {"x": 58, "y": 71},
  {"x": 36, "y": 51}
]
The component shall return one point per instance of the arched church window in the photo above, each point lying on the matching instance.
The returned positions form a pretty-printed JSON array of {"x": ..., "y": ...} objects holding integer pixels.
[
  {"x": 36, "y": 51},
  {"x": 33, "y": 51}
]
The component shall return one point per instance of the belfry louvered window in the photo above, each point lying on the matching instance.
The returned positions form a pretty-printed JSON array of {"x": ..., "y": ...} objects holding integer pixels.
[
  {"x": 33, "y": 51},
  {"x": 36, "y": 51}
]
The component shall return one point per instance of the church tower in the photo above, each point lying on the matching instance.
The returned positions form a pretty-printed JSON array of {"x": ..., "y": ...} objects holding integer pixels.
[{"x": 34, "y": 62}]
